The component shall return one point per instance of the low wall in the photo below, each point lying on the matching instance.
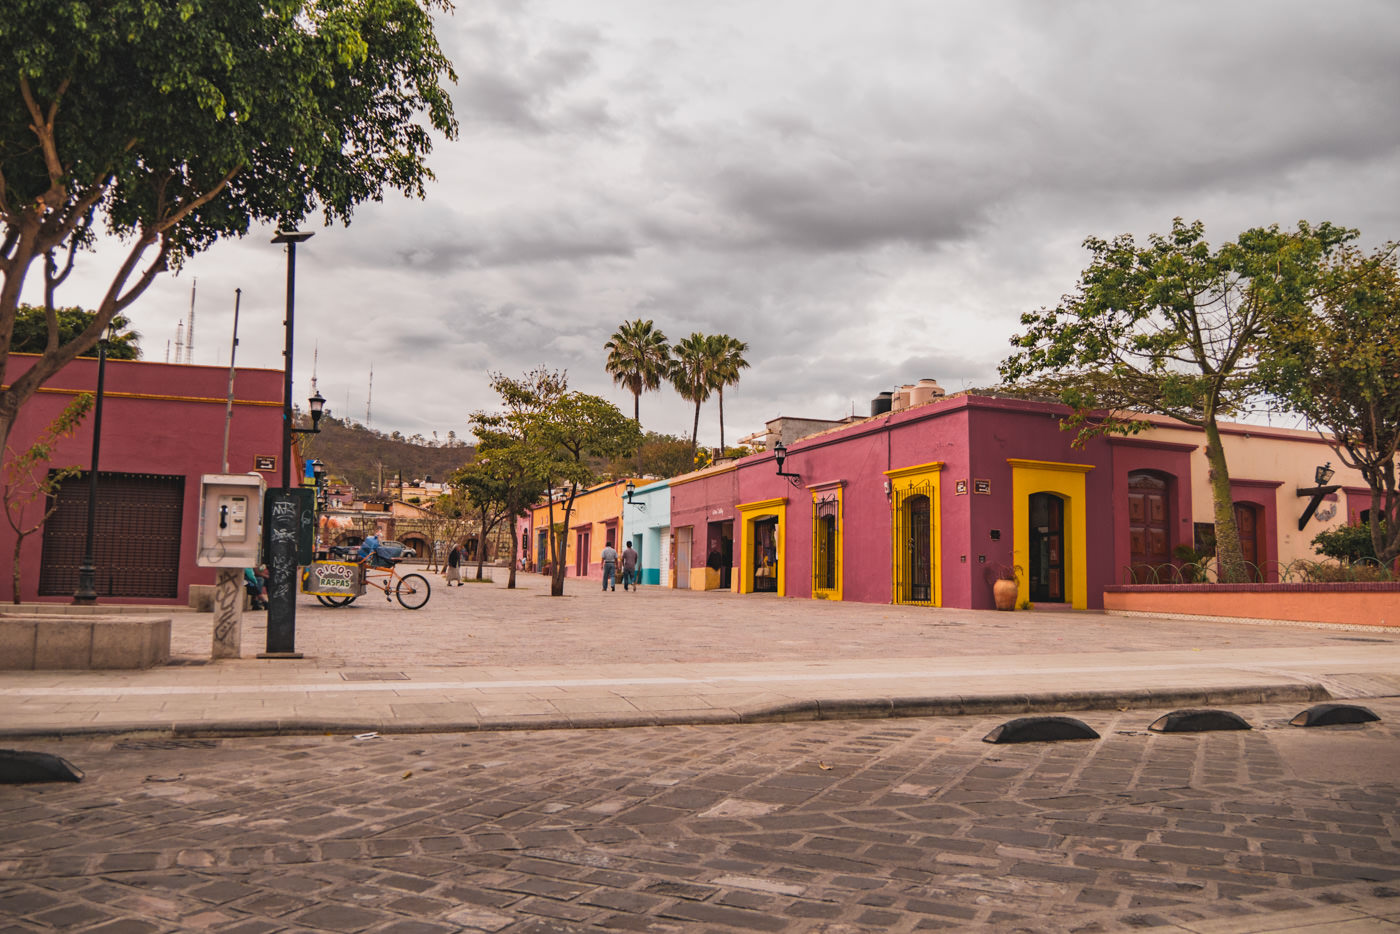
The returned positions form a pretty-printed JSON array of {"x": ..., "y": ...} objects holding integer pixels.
[
  {"x": 31, "y": 642},
  {"x": 1357, "y": 604}
]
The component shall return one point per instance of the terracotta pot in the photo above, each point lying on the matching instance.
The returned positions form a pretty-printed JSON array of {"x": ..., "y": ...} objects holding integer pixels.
[{"x": 1004, "y": 593}]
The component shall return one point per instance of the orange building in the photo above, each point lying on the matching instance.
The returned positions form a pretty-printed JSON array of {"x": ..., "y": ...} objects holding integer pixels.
[{"x": 594, "y": 523}]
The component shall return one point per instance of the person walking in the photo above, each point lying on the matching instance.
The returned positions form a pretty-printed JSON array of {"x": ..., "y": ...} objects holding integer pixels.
[
  {"x": 609, "y": 567},
  {"x": 454, "y": 565},
  {"x": 629, "y": 568}
]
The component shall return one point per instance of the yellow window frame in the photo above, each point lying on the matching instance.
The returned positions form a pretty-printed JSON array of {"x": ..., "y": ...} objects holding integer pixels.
[
  {"x": 902, "y": 481},
  {"x": 818, "y": 494},
  {"x": 749, "y": 513},
  {"x": 1029, "y": 477}
]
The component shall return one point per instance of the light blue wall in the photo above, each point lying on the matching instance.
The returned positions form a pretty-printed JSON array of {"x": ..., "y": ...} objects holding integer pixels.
[{"x": 644, "y": 521}]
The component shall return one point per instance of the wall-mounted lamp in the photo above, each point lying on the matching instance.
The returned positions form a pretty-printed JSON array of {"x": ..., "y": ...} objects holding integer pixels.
[
  {"x": 631, "y": 489},
  {"x": 1321, "y": 475},
  {"x": 318, "y": 405},
  {"x": 780, "y": 455}
]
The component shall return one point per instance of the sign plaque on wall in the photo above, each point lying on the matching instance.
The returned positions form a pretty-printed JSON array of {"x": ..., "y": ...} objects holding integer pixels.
[
  {"x": 982, "y": 486},
  {"x": 265, "y": 462},
  {"x": 960, "y": 488}
]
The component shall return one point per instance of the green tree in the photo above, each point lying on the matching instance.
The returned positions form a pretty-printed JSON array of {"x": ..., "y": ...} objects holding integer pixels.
[
  {"x": 510, "y": 453},
  {"x": 496, "y": 497},
  {"x": 1172, "y": 328},
  {"x": 27, "y": 477},
  {"x": 726, "y": 362},
  {"x": 566, "y": 437},
  {"x": 176, "y": 124},
  {"x": 692, "y": 374},
  {"x": 638, "y": 356},
  {"x": 659, "y": 455},
  {"x": 35, "y": 329},
  {"x": 1338, "y": 364}
]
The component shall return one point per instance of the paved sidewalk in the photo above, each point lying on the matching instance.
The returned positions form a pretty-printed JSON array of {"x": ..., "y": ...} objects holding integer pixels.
[{"x": 481, "y": 657}]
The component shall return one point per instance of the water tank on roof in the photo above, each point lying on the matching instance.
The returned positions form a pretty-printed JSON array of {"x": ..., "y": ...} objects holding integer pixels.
[
  {"x": 925, "y": 390},
  {"x": 902, "y": 396},
  {"x": 881, "y": 403}
]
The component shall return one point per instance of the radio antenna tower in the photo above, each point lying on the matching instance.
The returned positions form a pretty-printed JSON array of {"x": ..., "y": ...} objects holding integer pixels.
[
  {"x": 189, "y": 331},
  {"x": 369, "y": 396},
  {"x": 179, "y": 342}
]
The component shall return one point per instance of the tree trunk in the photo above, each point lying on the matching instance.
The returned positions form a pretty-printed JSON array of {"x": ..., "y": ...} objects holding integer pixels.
[
  {"x": 1229, "y": 558},
  {"x": 514, "y": 552},
  {"x": 556, "y": 576},
  {"x": 637, "y": 406},
  {"x": 19, "y": 540},
  {"x": 481, "y": 546},
  {"x": 695, "y": 434},
  {"x": 721, "y": 421}
]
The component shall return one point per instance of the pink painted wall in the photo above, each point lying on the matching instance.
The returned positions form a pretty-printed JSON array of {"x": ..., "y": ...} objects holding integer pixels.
[{"x": 157, "y": 418}]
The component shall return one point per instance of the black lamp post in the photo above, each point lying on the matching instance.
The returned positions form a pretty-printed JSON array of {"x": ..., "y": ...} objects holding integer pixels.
[
  {"x": 631, "y": 488},
  {"x": 284, "y": 504},
  {"x": 86, "y": 594},
  {"x": 1320, "y": 476}
]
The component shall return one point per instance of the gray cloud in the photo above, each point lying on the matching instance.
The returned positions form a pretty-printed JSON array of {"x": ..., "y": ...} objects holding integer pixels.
[{"x": 867, "y": 196}]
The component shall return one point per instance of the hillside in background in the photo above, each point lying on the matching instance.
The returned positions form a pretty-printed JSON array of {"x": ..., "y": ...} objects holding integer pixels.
[{"x": 356, "y": 455}]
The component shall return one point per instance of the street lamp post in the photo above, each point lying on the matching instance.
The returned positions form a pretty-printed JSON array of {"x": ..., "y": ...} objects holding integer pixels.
[
  {"x": 284, "y": 504},
  {"x": 86, "y": 594}
]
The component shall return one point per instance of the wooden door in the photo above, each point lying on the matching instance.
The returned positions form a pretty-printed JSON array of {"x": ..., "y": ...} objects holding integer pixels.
[
  {"x": 1149, "y": 532},
  {"x": 683, "y": 558},
  {"x": 581, "y": 559},
  {"x": 1247, "y": 524}
]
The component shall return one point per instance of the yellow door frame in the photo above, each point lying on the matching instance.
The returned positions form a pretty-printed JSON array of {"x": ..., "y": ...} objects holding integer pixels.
[
  {"x": 1029, "y": 477},
  {"x": 748, "y": 514},
  {"x": 819, "y": 492},
  {"x": 902, "y": 480}
]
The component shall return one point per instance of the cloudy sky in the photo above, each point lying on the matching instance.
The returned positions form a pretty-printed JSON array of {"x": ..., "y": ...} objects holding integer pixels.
[{"x": 867, "y": 193}]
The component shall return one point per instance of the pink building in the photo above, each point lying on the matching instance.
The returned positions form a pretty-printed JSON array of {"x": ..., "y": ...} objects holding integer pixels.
[
  {"x": 162, "y": 429},
  {"x": 928, "y": 504}
]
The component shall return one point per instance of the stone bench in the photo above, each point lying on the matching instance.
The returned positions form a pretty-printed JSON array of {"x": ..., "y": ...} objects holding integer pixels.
[{"x": 32, "y": 642}]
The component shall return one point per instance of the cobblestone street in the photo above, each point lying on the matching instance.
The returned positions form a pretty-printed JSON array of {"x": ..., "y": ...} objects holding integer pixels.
[{"x": 914, "y": 824}]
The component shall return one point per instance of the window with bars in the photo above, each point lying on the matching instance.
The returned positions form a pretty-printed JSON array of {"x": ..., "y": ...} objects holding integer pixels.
[
  {"x": 826, "y": 547},
  {"x": 913, "y": 543}
]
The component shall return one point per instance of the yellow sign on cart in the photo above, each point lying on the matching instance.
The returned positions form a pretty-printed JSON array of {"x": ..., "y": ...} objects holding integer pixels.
[{"x": 333, "y": 579}]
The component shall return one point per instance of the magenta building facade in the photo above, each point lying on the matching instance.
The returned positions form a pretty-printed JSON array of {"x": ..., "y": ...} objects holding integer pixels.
[
  {"x": 930, "y": 504},
  {"x": 162, "y": 430}
]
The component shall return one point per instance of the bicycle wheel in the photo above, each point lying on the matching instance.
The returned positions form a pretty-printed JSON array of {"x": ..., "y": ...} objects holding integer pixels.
[
  {"x": 413, "y": 591},
  {"x": 335, "y": 601}
]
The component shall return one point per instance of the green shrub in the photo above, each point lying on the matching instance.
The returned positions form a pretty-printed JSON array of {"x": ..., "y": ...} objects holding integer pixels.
[{"x": 1349, "y": 543}]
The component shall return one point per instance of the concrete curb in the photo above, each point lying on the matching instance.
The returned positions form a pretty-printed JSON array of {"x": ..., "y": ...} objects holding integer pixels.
[{"x": 873, "y": 708}]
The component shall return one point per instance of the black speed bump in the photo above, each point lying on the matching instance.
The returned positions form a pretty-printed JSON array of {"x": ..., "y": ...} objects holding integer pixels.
[
  {"x": 1040, "y": 730},
  {"x": 1198, "y": 720},
  {"x": 20, "y": 768},
  {"x": 1333, "y": 714}
]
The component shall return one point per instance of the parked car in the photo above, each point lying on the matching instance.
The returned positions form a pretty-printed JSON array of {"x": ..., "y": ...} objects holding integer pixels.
[{"x": 396, "y": 550}]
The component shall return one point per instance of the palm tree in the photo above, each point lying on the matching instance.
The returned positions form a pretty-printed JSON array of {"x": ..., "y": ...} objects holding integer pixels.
[
  {"x": 692, "y": 373},
  {"x": 726, "y": 360},
  {"x": 638, "y": 358}
]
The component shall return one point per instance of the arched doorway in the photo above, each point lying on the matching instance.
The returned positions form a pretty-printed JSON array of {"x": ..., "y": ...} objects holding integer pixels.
[
  {"x": 1046, "y": 536},
  {"x": 1149, "y": 525}
]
